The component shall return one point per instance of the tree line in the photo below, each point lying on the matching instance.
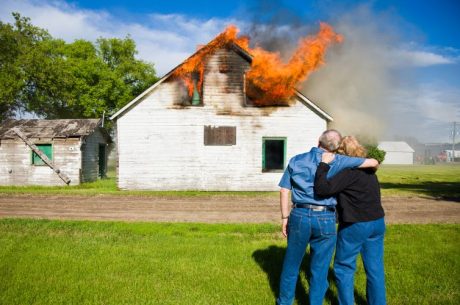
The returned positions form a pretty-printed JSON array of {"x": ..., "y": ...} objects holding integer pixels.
[{"x": 54, "y": 79}]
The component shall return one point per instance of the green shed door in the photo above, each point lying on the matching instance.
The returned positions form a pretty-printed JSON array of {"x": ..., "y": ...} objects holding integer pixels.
[
  {"x": 47, "y": 149},
  {"x": 102, "y": 161}
]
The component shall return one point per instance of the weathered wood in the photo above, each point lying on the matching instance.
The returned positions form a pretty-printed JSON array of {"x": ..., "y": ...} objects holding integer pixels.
[
  {"x": 219, "y": 135},
  {"x": 161, "y": 145},
  {"x": 45, "y": 159}
]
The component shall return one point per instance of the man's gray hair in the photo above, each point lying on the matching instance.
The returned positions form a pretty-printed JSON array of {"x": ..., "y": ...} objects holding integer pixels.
[{"x": 330, "y": 140}]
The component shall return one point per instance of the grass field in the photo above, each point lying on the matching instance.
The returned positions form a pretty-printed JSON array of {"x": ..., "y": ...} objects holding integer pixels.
[
  {"x": 428, "y": 180},
  {"x": 55, "y": 262}
]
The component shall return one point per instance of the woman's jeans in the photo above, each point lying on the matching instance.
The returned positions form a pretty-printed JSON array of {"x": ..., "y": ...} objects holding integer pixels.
[
  {"x": 317, "y": 228},
  {"x": 365, "y": 238}
]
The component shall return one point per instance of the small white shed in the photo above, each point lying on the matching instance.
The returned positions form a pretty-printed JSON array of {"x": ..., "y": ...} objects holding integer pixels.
[
  {"x": 220, "y": 141},
  {"x": 52, "y": 152},
  {"x": 397, "y": 152}
]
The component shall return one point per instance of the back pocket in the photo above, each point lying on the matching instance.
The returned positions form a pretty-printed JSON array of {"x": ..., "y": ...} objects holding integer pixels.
[{"x": 327, "y": 225}]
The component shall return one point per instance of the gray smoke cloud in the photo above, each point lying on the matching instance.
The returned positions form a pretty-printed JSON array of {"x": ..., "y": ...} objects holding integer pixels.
[
  {"x": 356, "y": 83},
  {"x": 370, "y": 83}
]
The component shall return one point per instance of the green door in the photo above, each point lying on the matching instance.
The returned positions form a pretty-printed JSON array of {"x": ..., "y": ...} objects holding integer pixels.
[{"x": 102, "y": 161}]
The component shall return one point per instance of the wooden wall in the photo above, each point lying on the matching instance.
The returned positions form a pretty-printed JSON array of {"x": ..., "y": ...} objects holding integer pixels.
[
  {"x": 90, "y": 155},
  {"x": 161, "y": 143},
  {"x": 16, "y": 162}
]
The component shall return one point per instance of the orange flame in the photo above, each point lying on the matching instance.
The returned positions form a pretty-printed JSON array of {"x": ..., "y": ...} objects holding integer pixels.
[
  {"x": 195, "y": 64},
  {"x": 269, "y": 80}
]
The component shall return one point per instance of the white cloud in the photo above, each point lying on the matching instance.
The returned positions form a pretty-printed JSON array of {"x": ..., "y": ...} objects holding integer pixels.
[
  {"x": 419, "y": 58},
  {"x": 166, "y": 40}
]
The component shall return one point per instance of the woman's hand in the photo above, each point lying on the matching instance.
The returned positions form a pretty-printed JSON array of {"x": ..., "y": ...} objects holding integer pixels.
[{"x": 327, "y": 157}]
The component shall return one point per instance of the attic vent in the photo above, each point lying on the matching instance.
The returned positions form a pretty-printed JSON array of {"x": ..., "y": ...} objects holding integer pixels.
[{"x": 220, "y": 135}]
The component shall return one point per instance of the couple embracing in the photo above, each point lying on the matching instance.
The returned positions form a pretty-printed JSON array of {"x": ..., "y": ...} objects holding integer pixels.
[{"x": 316, "y": 181}]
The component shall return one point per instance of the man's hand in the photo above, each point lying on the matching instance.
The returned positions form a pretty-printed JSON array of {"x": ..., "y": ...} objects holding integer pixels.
[
  {"x": 327, "y": 157},
  {"x": 284, "y": 227}
]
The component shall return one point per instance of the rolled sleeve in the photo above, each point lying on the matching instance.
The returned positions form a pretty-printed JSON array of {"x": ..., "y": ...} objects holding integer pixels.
[
  {"x": 285, "y": 181},
  {"x": 342, "y": 162}
]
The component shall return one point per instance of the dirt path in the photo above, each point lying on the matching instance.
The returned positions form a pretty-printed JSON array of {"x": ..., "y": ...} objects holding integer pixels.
[{"x": 211, "y": 209}]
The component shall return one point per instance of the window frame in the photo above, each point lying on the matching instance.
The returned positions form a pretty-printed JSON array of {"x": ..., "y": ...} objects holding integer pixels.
[
  {"x": 264, "y": 169},
  {"x": 33, "y": 154}
]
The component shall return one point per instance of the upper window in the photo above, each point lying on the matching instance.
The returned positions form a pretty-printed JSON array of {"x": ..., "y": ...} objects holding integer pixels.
[
  {"x": 47, "y": 149},
  {"x": 220, "y": 135},
  {"x": 273, "y": 154}
]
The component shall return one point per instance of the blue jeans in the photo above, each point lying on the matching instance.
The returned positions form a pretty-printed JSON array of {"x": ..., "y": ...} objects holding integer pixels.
[
  {"x": 367, "y": 238},
  {"x": 317, "y": 228}
]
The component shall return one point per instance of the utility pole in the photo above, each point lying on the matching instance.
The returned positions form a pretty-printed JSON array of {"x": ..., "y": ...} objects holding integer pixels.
[{"x": 454, "y": 131}]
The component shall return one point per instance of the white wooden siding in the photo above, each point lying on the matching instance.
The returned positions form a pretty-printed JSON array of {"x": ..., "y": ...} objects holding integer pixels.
[
  {"x": 90, "y": 156},
  {"x": 16, "y": 162},
  {"x": 161, "y": 144}
]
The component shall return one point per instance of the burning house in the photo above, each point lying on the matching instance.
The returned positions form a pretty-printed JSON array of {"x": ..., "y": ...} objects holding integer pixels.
[{"x": 227, "y": 118}]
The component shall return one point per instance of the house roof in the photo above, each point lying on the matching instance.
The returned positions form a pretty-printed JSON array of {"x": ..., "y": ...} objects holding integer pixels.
[
  {"x": 49, "y": 128},
  {"x": 395, "y": 146},
  {"x": 243, "y": 53}
]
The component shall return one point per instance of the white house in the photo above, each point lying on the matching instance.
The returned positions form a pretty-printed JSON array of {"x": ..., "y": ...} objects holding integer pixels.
[
  {"x": 222, "y": 143},
  {"x": 397, "y": 152}
]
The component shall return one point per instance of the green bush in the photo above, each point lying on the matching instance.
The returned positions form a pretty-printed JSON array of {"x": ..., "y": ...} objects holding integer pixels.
[{"x": 376, "y": 153}]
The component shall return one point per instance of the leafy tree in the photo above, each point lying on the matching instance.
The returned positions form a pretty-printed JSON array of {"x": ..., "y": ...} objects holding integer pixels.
[
  {"x": 55, "y": 79},
  {"x": 18, "y": 44}
]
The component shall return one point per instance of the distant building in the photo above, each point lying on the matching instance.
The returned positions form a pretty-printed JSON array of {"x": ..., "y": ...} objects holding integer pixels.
[
  {"x": 52, "y": 152},
  {"x": 397, "y": 152},
  {"x": 452, "y": 156}
]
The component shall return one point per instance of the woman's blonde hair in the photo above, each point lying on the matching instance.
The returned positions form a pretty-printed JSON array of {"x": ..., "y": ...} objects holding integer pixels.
[{"x": 351, "y": 147}]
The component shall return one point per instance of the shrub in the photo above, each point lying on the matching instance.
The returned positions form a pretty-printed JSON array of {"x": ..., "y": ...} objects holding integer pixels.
[{"x": 376, "y": 153}]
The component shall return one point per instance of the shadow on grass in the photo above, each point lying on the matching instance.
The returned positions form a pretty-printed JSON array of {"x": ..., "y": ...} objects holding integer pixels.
[
  {"x": 443, "y": 190},
  {"x": 270, "y": 261}
]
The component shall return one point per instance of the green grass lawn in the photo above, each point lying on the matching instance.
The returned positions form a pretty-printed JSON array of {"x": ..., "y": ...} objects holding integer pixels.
[
  {"x": 64, "y": 262},
  {"x": 441, "y": 181},
  {"x": 429, "y": 180}
]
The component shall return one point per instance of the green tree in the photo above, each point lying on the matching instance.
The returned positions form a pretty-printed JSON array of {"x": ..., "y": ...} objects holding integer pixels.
[
  {"x": 18, "y": 44},
  {"x": 55, "y": 79}
]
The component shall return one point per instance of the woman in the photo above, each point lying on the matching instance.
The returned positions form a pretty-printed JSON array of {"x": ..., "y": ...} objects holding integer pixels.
[{"x": 361, "y": 224}]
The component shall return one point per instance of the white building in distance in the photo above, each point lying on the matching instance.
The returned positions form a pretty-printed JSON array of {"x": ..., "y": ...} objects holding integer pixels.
[{"x": 397, "y": 152}]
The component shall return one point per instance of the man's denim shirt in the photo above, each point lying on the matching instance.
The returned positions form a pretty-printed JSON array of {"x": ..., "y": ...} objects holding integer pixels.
[{"x": 299, "y": 175}]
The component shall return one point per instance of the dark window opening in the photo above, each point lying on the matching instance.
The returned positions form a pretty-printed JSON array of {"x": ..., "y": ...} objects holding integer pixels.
[
  {"x": 273, "y": 154},
  {"x": 221, "y": 135},
  {"x": 47, "y": 149}
]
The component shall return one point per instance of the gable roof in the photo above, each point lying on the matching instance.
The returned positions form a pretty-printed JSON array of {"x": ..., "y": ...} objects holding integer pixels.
[
  {"x": 244, "y": 54},
  {"x": 35, "y": 128},
  {"x": 395, "y": 146}
]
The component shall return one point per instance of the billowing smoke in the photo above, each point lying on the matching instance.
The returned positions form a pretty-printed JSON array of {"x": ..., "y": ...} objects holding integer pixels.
[
  {"x": 357, "y": 82},
  {"x": 360, "y": 83}
]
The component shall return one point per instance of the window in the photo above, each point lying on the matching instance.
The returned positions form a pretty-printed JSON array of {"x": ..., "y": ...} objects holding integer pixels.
[
  {"x": 220, "y": 135},
  {"x": 47, "y": 149},
  {"x": 273, "y": 154}
]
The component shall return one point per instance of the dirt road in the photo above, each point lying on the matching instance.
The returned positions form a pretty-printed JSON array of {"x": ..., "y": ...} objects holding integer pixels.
[{"x": 210, "y": 209}]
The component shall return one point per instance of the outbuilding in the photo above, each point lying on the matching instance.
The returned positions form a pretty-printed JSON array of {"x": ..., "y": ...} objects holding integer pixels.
[
  {"x": 397, "y": 152},
  {"x": 213, "y": 139},
  {"x": 52, "y": 152}
]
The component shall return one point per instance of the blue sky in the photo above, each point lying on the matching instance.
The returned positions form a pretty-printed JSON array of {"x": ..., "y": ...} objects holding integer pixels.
[{"x": 397, "y": 73}]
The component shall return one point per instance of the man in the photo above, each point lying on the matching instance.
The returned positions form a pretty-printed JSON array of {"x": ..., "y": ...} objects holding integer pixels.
[{"x": 312, "y": 219}]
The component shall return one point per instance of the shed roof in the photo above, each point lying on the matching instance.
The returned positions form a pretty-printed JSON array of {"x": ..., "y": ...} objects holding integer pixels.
[
  {"x": 301, "y": 97},
  {"x": 395, "y": 146},
  {"x": 49, "y": 128}
]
